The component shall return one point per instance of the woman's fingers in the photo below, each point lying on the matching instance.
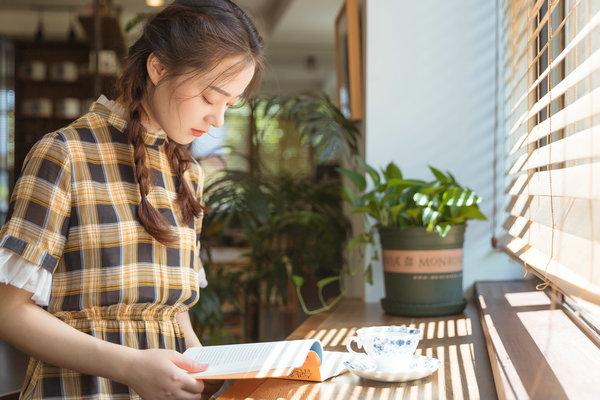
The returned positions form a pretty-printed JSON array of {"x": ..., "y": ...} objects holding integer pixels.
[
  {"x": 187, "y": 363},
  {"x": 188, "y": 383}
]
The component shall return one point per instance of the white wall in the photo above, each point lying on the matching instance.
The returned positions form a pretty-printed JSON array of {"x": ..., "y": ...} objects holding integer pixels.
[{"x": 429, "y": 81}]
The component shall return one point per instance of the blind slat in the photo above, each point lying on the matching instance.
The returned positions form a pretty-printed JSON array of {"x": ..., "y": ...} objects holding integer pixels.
[
  {"x": 577, "y": 181},
  {"x": 571, "y": 215},
  {"x": 579, "y": 146}
]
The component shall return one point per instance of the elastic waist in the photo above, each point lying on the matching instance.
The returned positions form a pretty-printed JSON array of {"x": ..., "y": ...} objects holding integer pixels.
[{"x": 124, "y": 312}]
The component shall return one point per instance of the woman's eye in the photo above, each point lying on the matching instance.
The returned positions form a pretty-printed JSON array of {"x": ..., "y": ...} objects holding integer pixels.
[{"x": 206, "y": 101}]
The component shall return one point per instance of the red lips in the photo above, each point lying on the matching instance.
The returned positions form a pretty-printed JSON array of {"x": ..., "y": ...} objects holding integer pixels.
[{"x": 198, "y": 133}]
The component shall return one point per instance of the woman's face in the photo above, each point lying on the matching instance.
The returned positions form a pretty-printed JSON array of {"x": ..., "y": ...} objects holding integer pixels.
[{"x": 185, "y": 107}]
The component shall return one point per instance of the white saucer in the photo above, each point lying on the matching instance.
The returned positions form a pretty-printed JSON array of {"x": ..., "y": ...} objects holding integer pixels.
[{"x": 365, "y": 367}]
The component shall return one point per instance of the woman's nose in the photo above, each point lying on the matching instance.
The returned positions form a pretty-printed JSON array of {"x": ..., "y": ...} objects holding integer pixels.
[{"x": 217, "y": 118}]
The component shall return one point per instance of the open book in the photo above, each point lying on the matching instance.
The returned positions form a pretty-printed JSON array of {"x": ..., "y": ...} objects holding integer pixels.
[{"x": 292, "y": 359}]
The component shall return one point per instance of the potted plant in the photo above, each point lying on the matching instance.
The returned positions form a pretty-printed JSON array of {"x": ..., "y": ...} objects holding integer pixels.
[{"x": 421, "y": 226}]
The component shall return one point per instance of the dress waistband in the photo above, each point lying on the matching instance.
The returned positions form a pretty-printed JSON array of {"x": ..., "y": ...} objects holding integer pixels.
[{"x": 124, "y": 312}]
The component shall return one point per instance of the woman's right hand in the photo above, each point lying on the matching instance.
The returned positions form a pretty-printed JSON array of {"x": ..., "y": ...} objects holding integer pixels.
[{"x": 158, "y": 374}]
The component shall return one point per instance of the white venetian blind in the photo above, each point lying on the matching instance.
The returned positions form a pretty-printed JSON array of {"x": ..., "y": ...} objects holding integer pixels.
[{"x": 552, "y": 141}]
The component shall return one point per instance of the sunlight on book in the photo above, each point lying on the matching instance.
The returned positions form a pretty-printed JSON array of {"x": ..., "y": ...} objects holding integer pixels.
[{"x": 291, "y": 359}]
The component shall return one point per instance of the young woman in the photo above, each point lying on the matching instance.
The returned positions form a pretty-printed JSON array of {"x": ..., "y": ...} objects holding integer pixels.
[{"x": 104, "y": 220}]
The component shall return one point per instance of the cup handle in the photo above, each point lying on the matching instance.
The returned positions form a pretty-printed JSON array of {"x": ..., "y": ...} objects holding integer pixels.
[{"x": 349, "y": 344}]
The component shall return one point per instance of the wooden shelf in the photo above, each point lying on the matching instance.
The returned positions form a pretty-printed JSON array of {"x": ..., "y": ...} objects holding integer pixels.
[{"x": 112, "y": 35}]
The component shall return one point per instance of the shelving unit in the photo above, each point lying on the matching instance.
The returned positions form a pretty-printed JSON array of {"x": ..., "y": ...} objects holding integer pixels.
[{"x": 29, "y": 129}]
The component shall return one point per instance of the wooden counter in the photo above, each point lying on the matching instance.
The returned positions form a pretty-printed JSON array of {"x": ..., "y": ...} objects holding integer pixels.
[{"x": 456, "y": 340}]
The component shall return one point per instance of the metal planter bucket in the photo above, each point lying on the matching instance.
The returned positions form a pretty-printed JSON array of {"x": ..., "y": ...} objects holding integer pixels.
[{"x": 422, "y": 271}]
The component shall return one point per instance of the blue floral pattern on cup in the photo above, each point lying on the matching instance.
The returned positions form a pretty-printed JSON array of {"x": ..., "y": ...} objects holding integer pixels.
[{"x": 389, "y": 346}]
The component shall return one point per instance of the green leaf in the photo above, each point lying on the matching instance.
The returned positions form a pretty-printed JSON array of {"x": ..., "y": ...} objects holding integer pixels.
[
  {"x": 390, "y": 199},
  {"x": 395, "y": 210},
  {"x": 460, "y": 197},
  {"x": 452, "y": 178},
  {"x": 363, "y": 209},
  {"x": 406, "y": 182},
  {"x": 371, "y": 171},
  {"x": 326, "y": 281},
  {"x": 471, "y": 212},
  {"x": 356, "y": 178},
  {"x": 310, "y": 133},
  {"x": 421, "y": 199},
  {"x": 392, "y": 172},
  {"x": 429, "y": 190},
  {"x": 324, "y": 150},
  {"x": 413, "y": 212},
  {"x": 439, "y": 175},
  {"x": 348, "y": 195},
  {"x": 368, "y": 274},
  {"x": 355, "y": 241},
  {"x": 298, "y": 280},
  {"x": 443, "y": 229},
  {"x": 450, "y": 196},
  {"x": 430, "y": 216}
]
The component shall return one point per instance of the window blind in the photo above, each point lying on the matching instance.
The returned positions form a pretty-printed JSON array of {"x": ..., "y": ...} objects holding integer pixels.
[{"x": 551, "y": 91}]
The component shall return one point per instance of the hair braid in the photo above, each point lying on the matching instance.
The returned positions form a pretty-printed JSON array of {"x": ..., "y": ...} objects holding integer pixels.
[
  {"x": 189, "y": 205},
  {"x": 150, "y": 218}
]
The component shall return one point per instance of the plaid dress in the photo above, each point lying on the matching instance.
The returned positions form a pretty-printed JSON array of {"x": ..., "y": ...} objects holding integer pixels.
[{"x": 74, "y": 212}]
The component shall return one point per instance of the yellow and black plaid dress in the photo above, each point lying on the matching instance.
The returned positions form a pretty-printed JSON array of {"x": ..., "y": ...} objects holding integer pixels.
[{"x": 74, "y": 212}]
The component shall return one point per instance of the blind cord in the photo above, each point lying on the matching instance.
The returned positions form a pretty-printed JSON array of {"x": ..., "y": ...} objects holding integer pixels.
[{"x": 496, "y": 106}]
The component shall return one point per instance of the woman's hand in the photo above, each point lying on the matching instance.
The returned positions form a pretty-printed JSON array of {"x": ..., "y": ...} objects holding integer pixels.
[{"x": 158, "y": 374}]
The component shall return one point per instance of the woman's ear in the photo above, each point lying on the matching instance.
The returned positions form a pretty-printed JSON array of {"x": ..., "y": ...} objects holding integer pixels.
[{"x": 155, "y": 68}]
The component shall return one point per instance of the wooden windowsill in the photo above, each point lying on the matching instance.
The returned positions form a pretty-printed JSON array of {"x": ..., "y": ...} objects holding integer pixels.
[{"x": 536, "y": 350}]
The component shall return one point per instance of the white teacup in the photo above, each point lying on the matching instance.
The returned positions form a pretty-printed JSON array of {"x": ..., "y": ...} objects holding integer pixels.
[{"x": 391, "y": 347}]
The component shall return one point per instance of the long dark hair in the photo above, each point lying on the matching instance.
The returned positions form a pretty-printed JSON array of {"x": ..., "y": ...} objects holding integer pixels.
[{"x": 187, "y": 35}]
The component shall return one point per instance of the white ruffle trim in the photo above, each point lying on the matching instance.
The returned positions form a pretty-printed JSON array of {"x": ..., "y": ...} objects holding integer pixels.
[
  {"x": 202, "y": 282},
  {"x": 112, "y": 106},
  {"x": 18, "y": 272}
]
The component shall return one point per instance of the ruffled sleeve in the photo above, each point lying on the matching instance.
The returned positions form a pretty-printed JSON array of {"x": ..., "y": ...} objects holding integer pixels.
[{"x": 18, "y": 272}]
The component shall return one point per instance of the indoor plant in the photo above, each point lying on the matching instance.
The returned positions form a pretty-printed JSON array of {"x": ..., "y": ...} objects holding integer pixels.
[
  {"x": 421, "y": 226},
  {"x": 294, "y": 227},
  {"x": 293, "y": 223}
]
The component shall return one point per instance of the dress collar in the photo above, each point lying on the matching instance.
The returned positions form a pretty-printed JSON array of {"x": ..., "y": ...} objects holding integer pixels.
[
  {"x": 115, "y": 115},
  {"x": 154, "y": 138}
]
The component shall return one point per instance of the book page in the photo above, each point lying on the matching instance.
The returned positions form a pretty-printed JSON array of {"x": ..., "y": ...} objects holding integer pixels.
[
  {"x": 333, "y": 363},
  {"x": 267, "y": 359}
]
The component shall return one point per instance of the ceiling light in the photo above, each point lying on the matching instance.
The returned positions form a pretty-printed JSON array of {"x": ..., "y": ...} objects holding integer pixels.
[{"x": 154, "y": 3}]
